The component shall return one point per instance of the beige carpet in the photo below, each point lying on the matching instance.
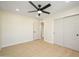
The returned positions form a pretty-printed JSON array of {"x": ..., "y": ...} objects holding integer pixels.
[{"x": 37, "y": 48}]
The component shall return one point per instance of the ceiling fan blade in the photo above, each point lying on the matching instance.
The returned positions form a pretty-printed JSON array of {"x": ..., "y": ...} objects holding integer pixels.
[
  {"x": 46, "y": 12},
  {"x": 32, "y": 11},
  {"x": 33, "y": 4},
  {"x": 45, "y": 7}
]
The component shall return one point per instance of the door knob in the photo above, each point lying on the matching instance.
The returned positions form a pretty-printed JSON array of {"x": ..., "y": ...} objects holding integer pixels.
[{"x": 77, "y": 34}]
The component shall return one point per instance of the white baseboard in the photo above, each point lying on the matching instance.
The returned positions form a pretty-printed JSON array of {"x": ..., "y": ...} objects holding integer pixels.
[{"x": 15, "y": 43}]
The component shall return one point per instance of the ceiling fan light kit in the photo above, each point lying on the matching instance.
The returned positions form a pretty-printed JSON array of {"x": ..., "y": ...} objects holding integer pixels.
[{"x": 40, "y": 10}]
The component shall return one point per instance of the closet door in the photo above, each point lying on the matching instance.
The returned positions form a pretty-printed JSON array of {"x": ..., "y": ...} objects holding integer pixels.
[
  {"x": 68, "y": 32},
  {"x": 71, "y": 32},
  {"x": 76, "y": 33},
  {"x": 59, "y": 32}
]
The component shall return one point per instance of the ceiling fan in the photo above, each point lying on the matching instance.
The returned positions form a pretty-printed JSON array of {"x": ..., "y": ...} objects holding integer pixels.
[{"x": 40, "y": 10}]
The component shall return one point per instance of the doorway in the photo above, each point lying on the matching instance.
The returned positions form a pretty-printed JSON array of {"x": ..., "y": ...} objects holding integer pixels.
[{"x": 38, "y": 30}]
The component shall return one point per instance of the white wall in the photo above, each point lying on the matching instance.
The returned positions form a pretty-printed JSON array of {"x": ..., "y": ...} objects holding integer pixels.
[
  {"x": 58, "y": 29},
  {"x": 49, "y": 29},
  {"x": 15, "y": 28}
]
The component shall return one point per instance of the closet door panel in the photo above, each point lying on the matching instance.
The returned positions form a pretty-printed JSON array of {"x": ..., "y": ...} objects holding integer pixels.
[
  {"x": 76, "y": 33},
  {"x": 68, "y": 30},
  {"x": 71, "y": 32}
]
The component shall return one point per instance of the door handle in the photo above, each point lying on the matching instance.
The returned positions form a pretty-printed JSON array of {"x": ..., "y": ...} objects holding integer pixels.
[{"x": 77, "y": 34}]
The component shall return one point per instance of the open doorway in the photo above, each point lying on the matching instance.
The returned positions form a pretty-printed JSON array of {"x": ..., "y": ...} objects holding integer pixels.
[{"x": 38, "y": 30}]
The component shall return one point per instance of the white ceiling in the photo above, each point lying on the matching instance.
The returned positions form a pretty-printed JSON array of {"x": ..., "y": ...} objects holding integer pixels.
[{"x": 24, "y": 6}]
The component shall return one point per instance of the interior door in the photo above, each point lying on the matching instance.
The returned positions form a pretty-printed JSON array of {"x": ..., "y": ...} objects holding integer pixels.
[
  {"x": 71, "y": 32},
  {"x": 76, "y": 33},
  {"x": 68, "y": 32},
  {"x": 36, "y": 30}
]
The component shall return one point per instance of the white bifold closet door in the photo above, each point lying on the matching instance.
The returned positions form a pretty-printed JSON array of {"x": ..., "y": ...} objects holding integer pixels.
[
  {"x": 76, "y": 33},
  {"x": 71, "y": 32},
  {"x": 67, "y": 32}
]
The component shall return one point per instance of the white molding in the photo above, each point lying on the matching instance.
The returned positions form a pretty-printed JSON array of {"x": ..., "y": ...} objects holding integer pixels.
[{"x": 16, "y": 43}]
